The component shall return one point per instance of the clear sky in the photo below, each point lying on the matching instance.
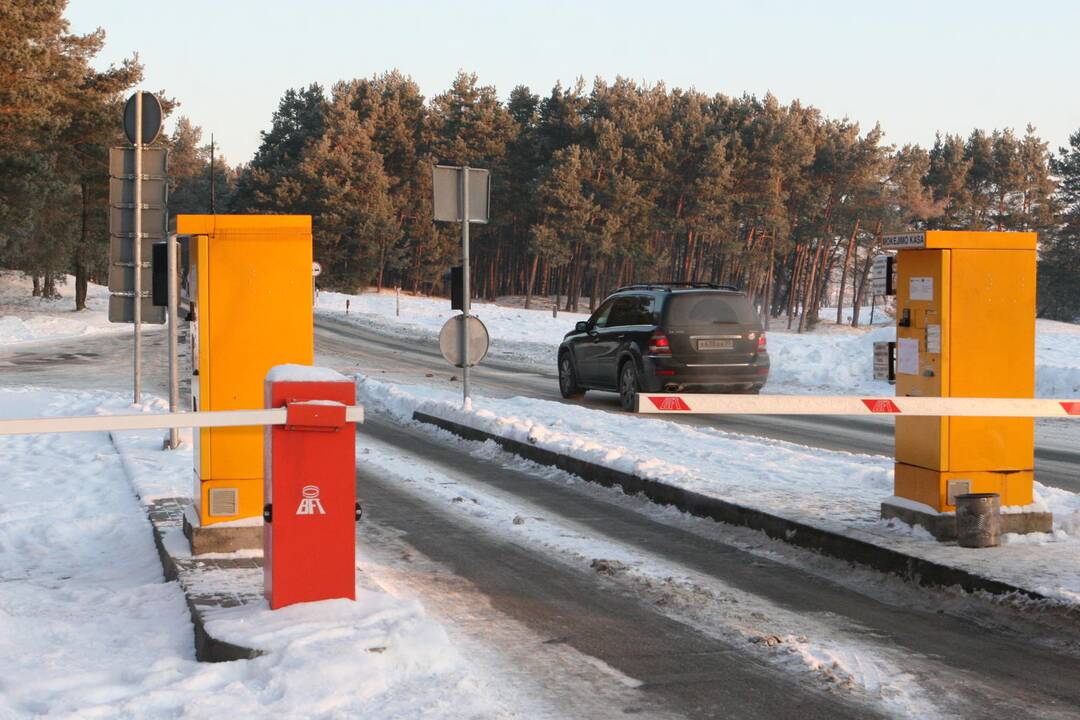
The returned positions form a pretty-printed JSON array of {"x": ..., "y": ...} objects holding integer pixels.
[{"x": 914, "y": 66}]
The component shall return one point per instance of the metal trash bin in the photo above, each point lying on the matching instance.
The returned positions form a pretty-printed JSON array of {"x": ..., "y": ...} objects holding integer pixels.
[{"x": 978, "y": 520}]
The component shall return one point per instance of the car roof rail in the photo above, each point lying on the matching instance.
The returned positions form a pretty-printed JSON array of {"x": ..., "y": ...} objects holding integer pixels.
[{"x": 668, "y": 286}]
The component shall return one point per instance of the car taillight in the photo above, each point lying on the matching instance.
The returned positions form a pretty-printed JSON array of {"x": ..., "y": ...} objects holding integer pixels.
[
  {"x": 658, "y": 344},
  {"x": 761, "y": 341}
]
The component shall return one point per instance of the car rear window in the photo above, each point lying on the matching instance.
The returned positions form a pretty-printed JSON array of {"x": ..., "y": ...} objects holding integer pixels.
[{"x": 710, "y": 309}]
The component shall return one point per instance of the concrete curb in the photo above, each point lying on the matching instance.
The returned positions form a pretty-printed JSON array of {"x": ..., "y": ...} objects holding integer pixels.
[
  {"x": 166, "y": 514},
  {"x": 911, "y": 568}
]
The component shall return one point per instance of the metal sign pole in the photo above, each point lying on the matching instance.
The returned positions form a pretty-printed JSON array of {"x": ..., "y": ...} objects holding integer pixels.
[
  {"x": 137, "y": 249},
  {"x": 465, "y": 284},
  {"x": 174, "y": 382}
]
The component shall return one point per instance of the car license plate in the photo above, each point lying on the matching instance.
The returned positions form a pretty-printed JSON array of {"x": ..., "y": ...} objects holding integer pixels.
[{"x": 716, "y": 344}]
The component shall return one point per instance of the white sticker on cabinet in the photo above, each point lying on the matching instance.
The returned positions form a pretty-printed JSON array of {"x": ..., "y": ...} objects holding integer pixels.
[
  {"x": 907, "y": 356},
  {"x": 921, "y": 288}
]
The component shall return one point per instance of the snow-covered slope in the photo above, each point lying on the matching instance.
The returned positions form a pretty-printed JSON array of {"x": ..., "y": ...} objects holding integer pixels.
[
  {"x": 26, "y": 319},
  {"x": 89, "y": 627}
]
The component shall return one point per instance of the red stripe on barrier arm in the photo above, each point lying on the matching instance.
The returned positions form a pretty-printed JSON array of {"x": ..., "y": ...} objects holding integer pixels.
[
  {"x": 880, "y": 405},
  {"x": 1071, "y": 408},
  {"x": 669, "y": 403}
]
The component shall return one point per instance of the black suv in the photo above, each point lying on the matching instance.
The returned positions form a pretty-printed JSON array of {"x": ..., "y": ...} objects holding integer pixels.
[{"x": 666, "y": 338}]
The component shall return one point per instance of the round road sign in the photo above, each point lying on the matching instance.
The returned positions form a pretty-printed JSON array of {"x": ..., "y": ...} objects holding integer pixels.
[
  {"x": 316, "y": 269},
  {"x": 151, "y": 118},
  {"x": 450, "y": 340}
]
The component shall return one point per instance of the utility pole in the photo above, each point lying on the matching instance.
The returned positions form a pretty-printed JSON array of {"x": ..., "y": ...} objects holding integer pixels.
[
  {"x": 452, "y": 196},
  {"x": 137, "y": 248},
  {"x": 213, "y": 184},
  {"x": 465, "y": 294},
  {"x": 174, "y": 376}
]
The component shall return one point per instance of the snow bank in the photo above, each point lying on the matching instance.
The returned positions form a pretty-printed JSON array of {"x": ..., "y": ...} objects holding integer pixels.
[
  {"x": 526, "y": 336},
  {"x": 27, "y": 319},
  {"x": 834, "y": 359},
  {"x": 831, "y": 359},
  {"x": 837, "y": 491},
  {"x": 88, "y": 627},
  {"x": 828, "y": 360},
  {"x": 304, "y": 373}
]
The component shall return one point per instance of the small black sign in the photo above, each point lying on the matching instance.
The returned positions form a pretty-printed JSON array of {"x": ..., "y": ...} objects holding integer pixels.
[
  {"x": 151, "y": 118},
  {"x": 457, "y": 288}
]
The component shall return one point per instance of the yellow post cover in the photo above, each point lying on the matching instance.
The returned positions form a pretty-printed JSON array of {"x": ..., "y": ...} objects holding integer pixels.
[
  {"x": 250, "y": 289},
  {"x": 966, "y": 328}
]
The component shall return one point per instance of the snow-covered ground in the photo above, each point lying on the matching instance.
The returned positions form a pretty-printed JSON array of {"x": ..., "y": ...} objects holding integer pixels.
[
  {"x": 838, "y": 491},
  {"x": 831, "y": 359},
  {"x": 829, "y": 654},
  {"x": 26, "y": 319},
  {"x": 89, "y": 628}
]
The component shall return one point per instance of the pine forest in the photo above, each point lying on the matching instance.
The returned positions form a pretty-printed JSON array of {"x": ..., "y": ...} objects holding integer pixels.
[{"x": 594, "y": 185}]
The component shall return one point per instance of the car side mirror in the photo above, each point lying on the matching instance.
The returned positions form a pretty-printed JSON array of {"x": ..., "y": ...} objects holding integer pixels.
[{"x": 581, "y": 326}]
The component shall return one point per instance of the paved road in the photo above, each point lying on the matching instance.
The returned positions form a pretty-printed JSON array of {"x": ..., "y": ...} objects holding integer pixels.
[
  {"x": 1057, "y": 454},
  {"x": 346, "y": 346},
  {"x": 968, "y": 670},
  {"x": 969, "y": 659}
]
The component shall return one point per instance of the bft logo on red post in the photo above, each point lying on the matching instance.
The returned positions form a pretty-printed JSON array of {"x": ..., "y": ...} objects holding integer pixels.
[{"x": 310, "y": 504}]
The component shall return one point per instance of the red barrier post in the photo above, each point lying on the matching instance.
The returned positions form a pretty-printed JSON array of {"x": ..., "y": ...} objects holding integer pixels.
[{"x": 309, "y": 535}]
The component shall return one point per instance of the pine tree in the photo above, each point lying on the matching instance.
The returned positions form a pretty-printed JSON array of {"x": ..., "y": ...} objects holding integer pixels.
[
  {"x": 947, "y": 179},
  {"x": 356, "y": 232},
  {"x": 566, "y": 212},
  {"x": 470, "y": 126},
  {"x": 189, "y": 173},
  {"x": 629, "y": 183},
  {"x": 59, "y": 115},
  {"x": 392, "y": 103},
  {"x": 1059, "y": 253},
  {"x": 271, "y": 182}
]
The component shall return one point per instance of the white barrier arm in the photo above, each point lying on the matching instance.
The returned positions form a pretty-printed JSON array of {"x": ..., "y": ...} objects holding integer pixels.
[
  {"x": 688, "y": 403},
  {"x": 157, "y": 421}
]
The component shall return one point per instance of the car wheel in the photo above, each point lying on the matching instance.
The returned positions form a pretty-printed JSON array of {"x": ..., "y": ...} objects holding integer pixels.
[
  {"x": 568, "y": 379},
  {"x": 628, "y": 385}
]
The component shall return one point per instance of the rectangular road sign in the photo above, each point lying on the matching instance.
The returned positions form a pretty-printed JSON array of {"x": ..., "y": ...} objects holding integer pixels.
[
  {"x": 122, "y": 192},
  {"x": 446, "y": 182},
  {"x": 885, "y": 361},
  {"x": 122, "y": 162},
  {"x": 122, "y": 221},
  {"x": 121, "y": 309},
  {"x": 122, "y": 278},
  {"x": 154, "y": 221},
  {"x": 121, "y": 250},
  {"x": 883, "y": 275}
]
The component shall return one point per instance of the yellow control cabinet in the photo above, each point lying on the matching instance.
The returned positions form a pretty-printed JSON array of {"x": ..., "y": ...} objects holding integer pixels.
[
  {"x": 249, "y": 294},
  {"x": 965, "y": 310}
]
